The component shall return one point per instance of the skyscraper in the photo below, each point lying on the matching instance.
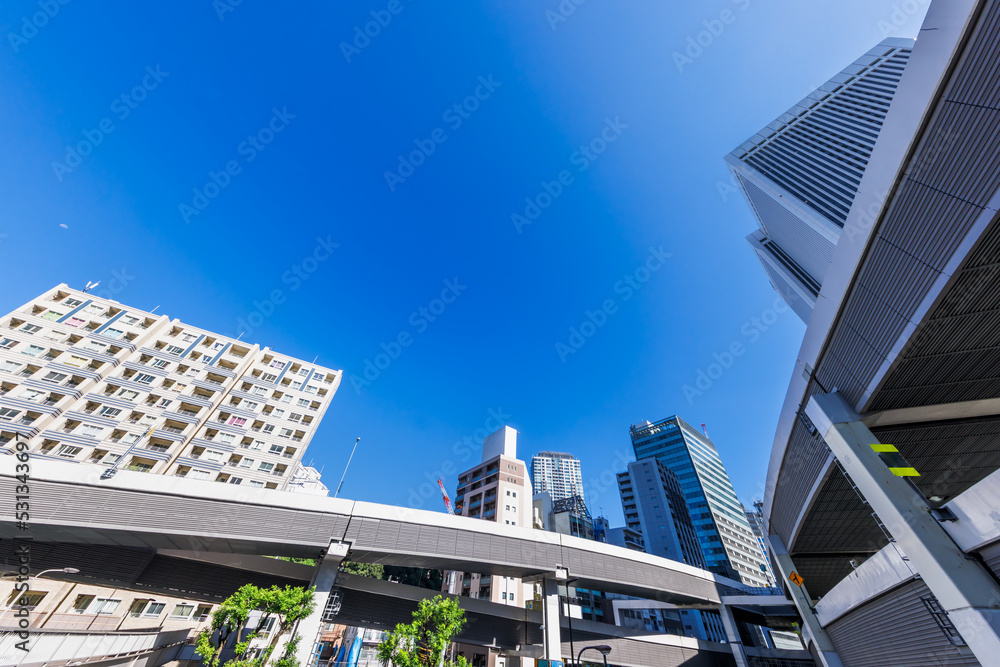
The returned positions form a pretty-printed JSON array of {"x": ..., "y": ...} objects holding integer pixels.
[
  {"x": 755, "y": 518},
  {"x": 800, "y": 174},
  {"x": 654, "y": 505},
  {"x": 727, "y": 542},
  {"x": 93, "y": 381},
  {"x": 557, "y": 474}
]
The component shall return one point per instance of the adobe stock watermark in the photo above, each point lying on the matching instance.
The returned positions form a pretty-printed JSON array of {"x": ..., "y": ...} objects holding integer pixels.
[
  {"x": 581, "y": 158},
  {"x": 363, "y": 36},
  {"x": 120, "y": 279},
  {"x": 223, "y": 7},
  {"x": 249, "y": 148},
  {"x": 122, "y": 107},
  {"x": 294, "y": 276},
  {"x": 454, "y": 116},
  {"x": 627, "y": 287},
  {"x": 899, "y": 16},
  {"x": 751, "y": 331},
  {"x": 463, "y": 450},
  {"x": 420, "y": 320},
  {"x": 30, "y": 25},
  {"x": 701, "y": 41},
  {"x": 562, "y": 12}
]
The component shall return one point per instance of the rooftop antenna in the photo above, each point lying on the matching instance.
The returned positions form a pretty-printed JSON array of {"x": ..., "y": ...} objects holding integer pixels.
[
  {"x": 154, "y": 310},
  {"x": 90, "y": 286},
  {"x": 705, "y": 431},
  {"x": 315, "y": 358}
]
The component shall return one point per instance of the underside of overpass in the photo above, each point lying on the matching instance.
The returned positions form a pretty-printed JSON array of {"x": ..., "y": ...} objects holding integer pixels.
[{"x": 375, "y": 604}]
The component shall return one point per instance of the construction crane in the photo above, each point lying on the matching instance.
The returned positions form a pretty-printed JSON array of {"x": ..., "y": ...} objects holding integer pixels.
[
  {"x": 705, "y": 431},
  {"x": 444, "y": 494}
]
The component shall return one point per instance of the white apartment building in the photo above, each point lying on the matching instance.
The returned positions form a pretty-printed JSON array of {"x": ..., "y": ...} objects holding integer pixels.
[
  {"x": 557, "y": 474},
  {"x": 88, "y": 380}
]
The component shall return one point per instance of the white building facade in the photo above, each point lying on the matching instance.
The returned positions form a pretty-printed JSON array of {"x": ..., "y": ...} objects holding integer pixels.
[
  {"x": 557, "y": 474},
  {"x": 800, "y": 174},
  {"x": 88, "y": 380}
]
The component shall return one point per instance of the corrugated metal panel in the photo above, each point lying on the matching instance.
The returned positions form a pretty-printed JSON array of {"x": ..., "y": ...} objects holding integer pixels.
[
  {"x": 804, "y": 459},
  {"x": 906, "y": 633}
]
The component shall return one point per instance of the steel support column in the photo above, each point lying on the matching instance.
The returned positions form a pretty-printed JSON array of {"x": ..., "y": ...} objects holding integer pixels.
[
  {"x": 816, "y": 640},
  {"x": 963, "y": 587},
  {"x": 733, "y": 635},
  {"x": 323, "y": 579}
]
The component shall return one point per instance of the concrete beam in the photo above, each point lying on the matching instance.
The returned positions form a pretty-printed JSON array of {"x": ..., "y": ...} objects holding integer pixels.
[
  {"x": 816, "y": 640},
  {"x": 323, "y": 579},
  {"x": 963, "y": 587}
]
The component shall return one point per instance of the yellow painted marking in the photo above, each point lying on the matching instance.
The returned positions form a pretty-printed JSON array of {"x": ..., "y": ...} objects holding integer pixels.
[{"x": 884, "y": 448}]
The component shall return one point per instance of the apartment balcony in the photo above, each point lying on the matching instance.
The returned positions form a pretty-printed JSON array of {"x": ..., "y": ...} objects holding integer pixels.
[{"x": 169, "y": 429}]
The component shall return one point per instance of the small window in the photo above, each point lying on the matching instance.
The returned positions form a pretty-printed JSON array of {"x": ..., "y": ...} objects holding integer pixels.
[
  {"x": 71, "y": 302},
  {"x": 255, "y": 484},
  {"x": 7, "y": 343},
  {"x": 182, "y": 611},
  {"x": 154, "y": 609},
  {"x": 127, "y": 394},
  {"x": 225, "y": 438},
  {"x": 236, "y": 421},
  {"x": 90, "y": 429},
  {"x": 144, "y": 378},
  {"x": 104, "y": 606},
  {"x": 159, "y": 363},
  {"x": 248, "y": 405},
  {"x": 30, "y": 328},
  {"x": 246, "y": 463},
  {"x": 75, "y": 321},
  {"x": 7, "y": 414},
  {"x": 33, "y": 350},
  {"x": 268, "y": 377},
  {"x": 277, "y": 449},
  {"x": 266, "y": 467},
  {"x": 81, "y": 603},
  {"x": 277, "y": 364},
  {"x": 235, "y": 480},
  {"x": 110, "y": 412}
]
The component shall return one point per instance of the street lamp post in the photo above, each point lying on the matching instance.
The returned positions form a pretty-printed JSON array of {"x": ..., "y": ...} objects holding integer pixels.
[
  {"x": 603, "y": 648},
  {"x": 67, "y": 570},
  {"x": 339, "y": 486}
]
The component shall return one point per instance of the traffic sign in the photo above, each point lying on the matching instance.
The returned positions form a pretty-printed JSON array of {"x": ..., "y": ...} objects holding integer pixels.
[{"x": 795, "y": 578}]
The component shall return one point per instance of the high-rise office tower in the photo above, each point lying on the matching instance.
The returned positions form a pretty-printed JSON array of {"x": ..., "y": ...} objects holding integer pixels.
[
  {"x": 727, "y": 542},
  {"x": 557, "y": 474},
  {"x": 497, "y": 489},
  {"x": 92, "y": 381},
  {"x": 800, "y": 173},
  {"x": 654, "y": 505}
]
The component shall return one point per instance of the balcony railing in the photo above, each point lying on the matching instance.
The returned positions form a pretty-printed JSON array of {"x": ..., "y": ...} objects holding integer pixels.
[{"x": 170, "y": 429}]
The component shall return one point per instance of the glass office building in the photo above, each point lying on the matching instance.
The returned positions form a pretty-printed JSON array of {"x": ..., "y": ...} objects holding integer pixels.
[{"x": 727, "y": 542}]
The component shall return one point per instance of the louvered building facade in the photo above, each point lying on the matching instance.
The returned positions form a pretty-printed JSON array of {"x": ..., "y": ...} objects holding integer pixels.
[{"x": 800, "y": 174}]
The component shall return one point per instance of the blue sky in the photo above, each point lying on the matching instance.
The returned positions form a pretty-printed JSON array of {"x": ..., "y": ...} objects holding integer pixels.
[{"x": 233, "y": 141}]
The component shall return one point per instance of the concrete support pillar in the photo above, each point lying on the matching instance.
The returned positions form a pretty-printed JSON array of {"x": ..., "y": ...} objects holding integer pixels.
[
  {"x": 813, "y": 635},
  {"x": 733, "y": 635},
  {"x": 963, "y": 587},
  {"x": 323, "y": 579},
  {"x": 550, "y": 619}
]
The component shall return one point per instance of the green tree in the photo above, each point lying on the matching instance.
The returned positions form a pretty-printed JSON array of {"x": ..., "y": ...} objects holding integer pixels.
[
  {"x": 423, "y": 642},
  {"x": 370, "y": 570},
  {"x": 285, "y": 605}
]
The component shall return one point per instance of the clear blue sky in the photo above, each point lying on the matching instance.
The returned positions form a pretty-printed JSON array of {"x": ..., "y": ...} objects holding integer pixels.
[{"x": 342, "y": 116}]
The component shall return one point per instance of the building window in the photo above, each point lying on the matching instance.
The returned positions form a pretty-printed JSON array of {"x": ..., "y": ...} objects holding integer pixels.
[
  {"x": 303, "y": 402},
  {"x": 104, "y": 606},
  {"x": 71, "y": 302},
  {"x": 235, "y": 480},
  {"x": 198, "y": 474},
  {"x": 277, "y": 449},
  {"x": 173, "y": 349},
  {"x": 159, "y": 363},
  {"x": 182, "y": 611},
  {"x": 212, "y": 455},
  {"x": 225, "y": 438},
  {"x": 113, "y": 333},
  {"x": 144, "y": 378},
  {"x": 236, "y": 421},
  {"x": 30, "y": 328},
  {"x": 277, "y": 364},
  {"x": 81, "y": 603},
  {"x": 266, "y": 467},
  {"x": 248, "y": 405},
  {"x": 255, "y": 484},
  {"x": 8, "y": 343},
  {"x": 33, "y": 350},
  {"x": 246, "y": 463},
  {"x": 285, "y": 433},
  {"x": 127, "y": 394},
  {"x": 109, "y": 412},
  {"x": 268, "y": 377}
]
